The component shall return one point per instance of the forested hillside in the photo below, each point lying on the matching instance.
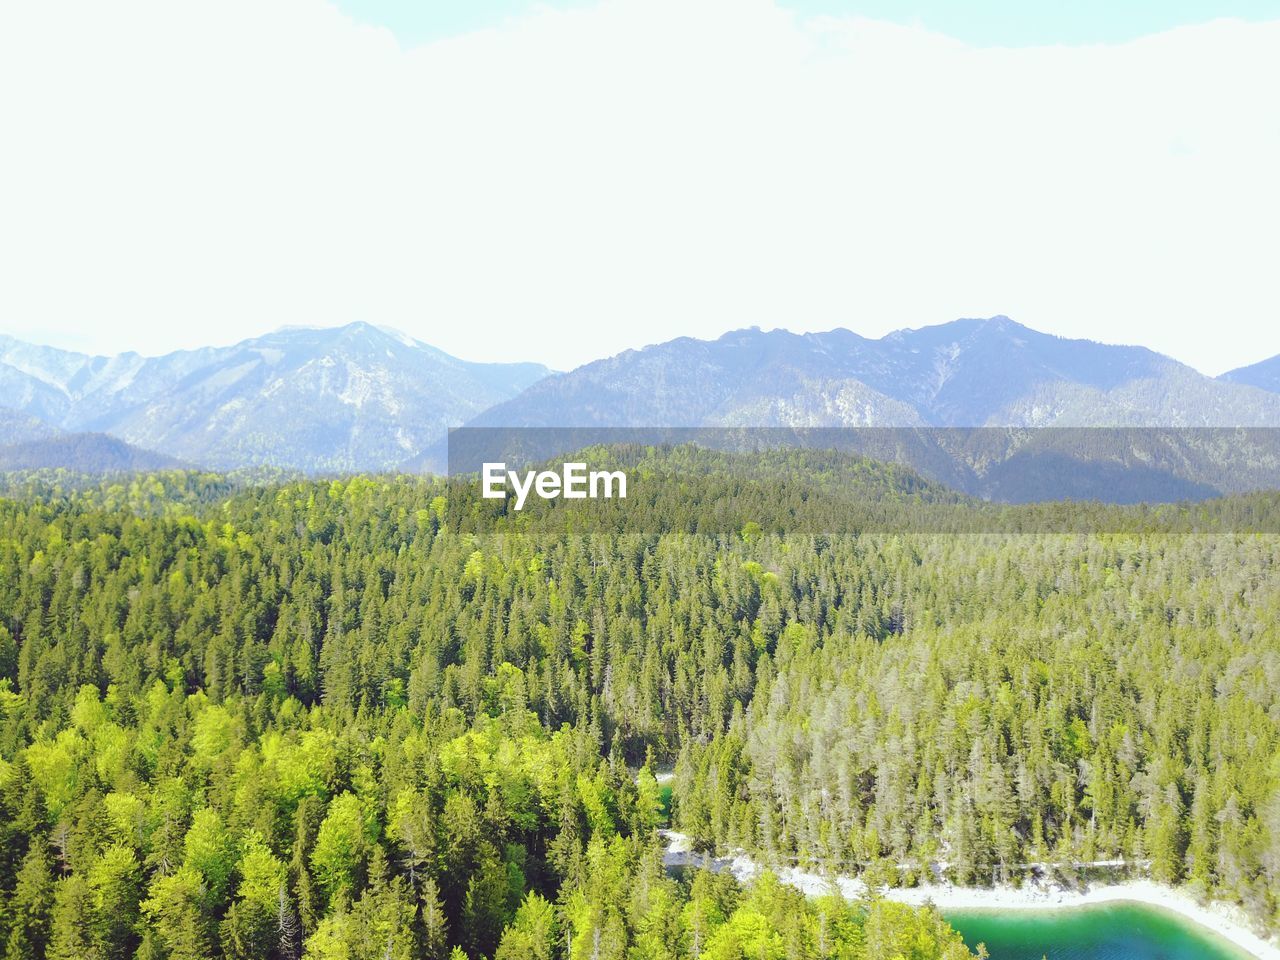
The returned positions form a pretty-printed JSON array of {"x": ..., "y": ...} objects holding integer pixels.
[
  {"x": 81, "y": 452},
  {"x": 319, "y": 719}
]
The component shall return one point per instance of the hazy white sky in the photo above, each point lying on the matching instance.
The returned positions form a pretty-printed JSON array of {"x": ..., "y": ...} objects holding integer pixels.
[{"x": 566, "y": 183}]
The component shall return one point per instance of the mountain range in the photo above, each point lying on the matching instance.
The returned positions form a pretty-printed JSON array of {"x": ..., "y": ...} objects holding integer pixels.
[
  {"x": 364, "y": 398},
  {"x": 351, "y": 398},
  {"x": 967, "y": 373}
]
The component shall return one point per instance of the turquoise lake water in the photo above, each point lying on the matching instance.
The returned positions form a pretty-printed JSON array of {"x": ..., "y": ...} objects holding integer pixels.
[{"x": 1112, "y": 931}]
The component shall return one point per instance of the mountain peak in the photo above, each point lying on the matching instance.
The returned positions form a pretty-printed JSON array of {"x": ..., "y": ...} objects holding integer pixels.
[
  {"x": 1000, "y": 325},
  {"x": 354, "y": 397},
  {"x": 964, "y": 327}
]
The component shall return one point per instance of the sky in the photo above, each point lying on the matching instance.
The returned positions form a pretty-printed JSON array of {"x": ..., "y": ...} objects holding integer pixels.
[
  {"x": 509, "y": 180},
  {"x": 979, "y": 22}
]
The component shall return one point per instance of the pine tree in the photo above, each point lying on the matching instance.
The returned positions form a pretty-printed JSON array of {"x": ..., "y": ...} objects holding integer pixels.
[
  {"x": 32, "y": 903},
  {"x": 72, "y": 924}
]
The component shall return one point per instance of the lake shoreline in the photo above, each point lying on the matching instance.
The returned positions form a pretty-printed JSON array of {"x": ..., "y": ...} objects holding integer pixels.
[{"x": 1226, "y": 920}]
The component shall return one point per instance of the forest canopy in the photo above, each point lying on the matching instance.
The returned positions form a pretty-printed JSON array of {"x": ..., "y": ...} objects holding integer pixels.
[{"x": 329, "y": 718}]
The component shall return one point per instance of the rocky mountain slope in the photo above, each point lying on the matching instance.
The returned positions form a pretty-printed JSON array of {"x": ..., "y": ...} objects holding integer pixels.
[
  {"x": 963, "y": 373},
  {"x": 351, "y": 398}
]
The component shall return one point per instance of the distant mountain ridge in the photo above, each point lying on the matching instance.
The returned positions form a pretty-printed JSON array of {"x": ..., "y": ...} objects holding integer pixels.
[
  {"x": 351, "y": 398},
  {"x": 18, "y": 427},
  {"x": 991, "y": 372},
  {"x": 83, "y": 453},
  {"x": 1265, "y": 375},
  {"x": 963, "y": 374},
  {"x": 361, "y": 397}
]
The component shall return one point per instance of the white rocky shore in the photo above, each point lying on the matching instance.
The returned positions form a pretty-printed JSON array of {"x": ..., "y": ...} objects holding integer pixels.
[{"x": 1226, "y": 920}]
